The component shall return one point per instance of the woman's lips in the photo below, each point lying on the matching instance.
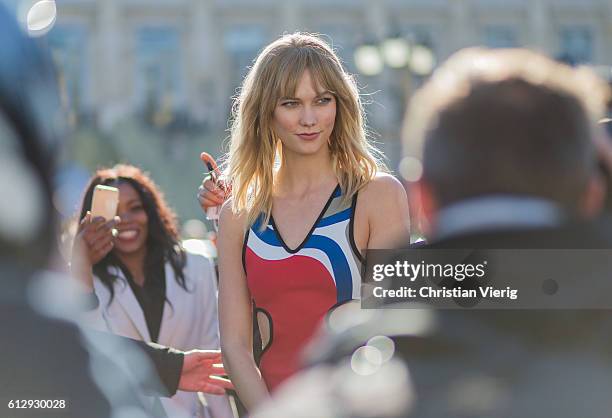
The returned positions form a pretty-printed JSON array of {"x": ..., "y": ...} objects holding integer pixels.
[
  {"x": 309, "y": 136},
  {"x": 127, "y": 234}
]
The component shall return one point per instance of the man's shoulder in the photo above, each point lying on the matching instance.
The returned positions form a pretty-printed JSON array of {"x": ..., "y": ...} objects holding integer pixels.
[{"x": 570, "y": 235}]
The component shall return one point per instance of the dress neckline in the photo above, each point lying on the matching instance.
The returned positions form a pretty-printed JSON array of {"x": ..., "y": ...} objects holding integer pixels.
[{"x": 314, "y": 226}]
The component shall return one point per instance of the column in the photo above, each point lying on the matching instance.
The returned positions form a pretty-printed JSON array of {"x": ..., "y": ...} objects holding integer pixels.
[
  {"x": 205, "y": 63},
  {"x": 539, "y": 26},
  {"x": 109, "y": 66},
  {"x": 460, "y": 25},
  {"x": 377, "y": 19},
  {"x": 290, "y": 13},
  {"x": 607, "y": 32}
]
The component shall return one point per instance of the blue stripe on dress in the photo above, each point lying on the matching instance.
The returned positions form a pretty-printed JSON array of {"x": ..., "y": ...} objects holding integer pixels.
[
  {"x": 335, "y": 218},
  {"x": 267, "y": 235},
  {"x": 339, "y": 263}
]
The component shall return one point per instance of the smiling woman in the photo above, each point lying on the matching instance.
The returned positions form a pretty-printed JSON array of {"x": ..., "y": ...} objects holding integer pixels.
[{"x": 149, "y": 287}]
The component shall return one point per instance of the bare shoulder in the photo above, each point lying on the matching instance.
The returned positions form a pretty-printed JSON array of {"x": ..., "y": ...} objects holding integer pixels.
[
  {"x": 383, "y": 188},
  {"x": 231, "y": 222},
  {"x": 386, "y": 207}
]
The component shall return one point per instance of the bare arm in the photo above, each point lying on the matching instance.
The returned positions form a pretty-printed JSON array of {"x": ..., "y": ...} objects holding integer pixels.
[
  {"x": 388, "y": 214},
  {"x": 235, "y": 312},
  {"x": 208, "y": 329}
]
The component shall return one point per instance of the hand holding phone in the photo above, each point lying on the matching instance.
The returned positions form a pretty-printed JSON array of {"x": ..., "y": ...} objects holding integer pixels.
[
  {"x": 212, "y": 192},
  {"x": 212, "y": 213}
]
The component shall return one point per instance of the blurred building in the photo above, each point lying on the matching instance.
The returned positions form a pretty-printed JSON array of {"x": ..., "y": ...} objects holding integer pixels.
[{"x": 169, "y": 60}]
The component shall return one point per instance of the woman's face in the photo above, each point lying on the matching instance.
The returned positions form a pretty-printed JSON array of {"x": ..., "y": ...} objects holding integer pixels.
[
  {"x": 305, "y": 122},
  {"x": 133, "y": 228}
]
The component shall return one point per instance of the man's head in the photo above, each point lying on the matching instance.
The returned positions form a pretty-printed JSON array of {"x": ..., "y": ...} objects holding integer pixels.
[{"x": 493, "y": 122}]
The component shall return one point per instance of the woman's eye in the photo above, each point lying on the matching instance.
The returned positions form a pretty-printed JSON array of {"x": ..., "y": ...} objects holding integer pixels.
[
  {"x": 289, "y": 104},
  {"x": 324, "y": 100},
  {"x": 136, "y": 208}
]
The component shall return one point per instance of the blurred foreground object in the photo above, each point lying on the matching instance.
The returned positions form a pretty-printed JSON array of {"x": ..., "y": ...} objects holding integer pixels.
[
  {"x": 41, "y": 17},
  {"x": 44, "y": 357}
]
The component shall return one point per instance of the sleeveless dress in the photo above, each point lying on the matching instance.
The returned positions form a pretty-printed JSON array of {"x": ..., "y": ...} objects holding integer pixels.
[{"x": 294, "y": 289}]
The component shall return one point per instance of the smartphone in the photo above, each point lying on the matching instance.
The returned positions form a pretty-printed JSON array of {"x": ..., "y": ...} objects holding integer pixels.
[
  {"x": 104, "y": 202},
  {"x": 212, "y": 213}
]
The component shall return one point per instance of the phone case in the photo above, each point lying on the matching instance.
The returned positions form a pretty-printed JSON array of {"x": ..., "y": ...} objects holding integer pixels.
[{"x": 104, "y": 202}]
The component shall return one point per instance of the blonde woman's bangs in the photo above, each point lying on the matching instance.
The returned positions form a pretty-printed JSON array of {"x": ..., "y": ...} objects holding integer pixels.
[
  {"x": 293, "y": 66},
  {"x": 327, "y": 77}
]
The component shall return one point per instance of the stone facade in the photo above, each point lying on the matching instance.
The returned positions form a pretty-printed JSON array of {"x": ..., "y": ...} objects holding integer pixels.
[{"x": 187, "y": 57}]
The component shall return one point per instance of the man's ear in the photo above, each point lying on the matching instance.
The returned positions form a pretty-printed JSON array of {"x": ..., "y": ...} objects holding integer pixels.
[
  {"x": 592, "y": 201},
  {"x": 423, "y": 206}
]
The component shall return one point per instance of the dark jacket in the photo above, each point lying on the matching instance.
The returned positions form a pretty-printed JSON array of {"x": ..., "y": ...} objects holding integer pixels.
[{"x": 502, "y": 363}]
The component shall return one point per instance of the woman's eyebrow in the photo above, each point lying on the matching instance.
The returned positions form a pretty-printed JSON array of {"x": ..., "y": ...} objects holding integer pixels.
[{"x": 319, "y": 94}]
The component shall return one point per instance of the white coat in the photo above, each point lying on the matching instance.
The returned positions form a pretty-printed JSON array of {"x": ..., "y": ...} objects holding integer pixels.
[{"x": 189, "y": 321}]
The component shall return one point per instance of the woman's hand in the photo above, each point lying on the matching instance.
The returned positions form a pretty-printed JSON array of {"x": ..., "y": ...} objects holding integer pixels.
[
  {"x": 94, "y": 240},
  {"x": 211, "y": 193},
  {"x": 95, "y": 237},
  {"x": 202, "y": 371}
]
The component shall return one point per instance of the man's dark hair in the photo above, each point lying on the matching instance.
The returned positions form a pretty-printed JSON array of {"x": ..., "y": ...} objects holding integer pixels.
[{"x": 506, "y": 122}]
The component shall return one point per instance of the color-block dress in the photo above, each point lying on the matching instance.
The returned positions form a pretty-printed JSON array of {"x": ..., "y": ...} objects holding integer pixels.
[{"x": 293, "y": 289}]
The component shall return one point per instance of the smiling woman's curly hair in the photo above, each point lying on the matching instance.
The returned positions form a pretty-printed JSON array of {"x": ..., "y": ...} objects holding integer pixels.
[{"x": 163, "y": 242}]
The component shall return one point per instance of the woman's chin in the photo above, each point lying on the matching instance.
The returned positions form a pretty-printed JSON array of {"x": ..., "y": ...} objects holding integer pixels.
[
  {"x": 128, "y": 249},
  {"x": 308, "y": 149}
]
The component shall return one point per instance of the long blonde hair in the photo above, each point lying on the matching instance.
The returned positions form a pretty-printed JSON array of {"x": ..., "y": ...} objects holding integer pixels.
[{"x": 253, "y": 144}]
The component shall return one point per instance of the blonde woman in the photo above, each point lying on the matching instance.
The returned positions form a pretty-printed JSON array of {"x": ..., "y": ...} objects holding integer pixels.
[{"x": 308, "y": 196}]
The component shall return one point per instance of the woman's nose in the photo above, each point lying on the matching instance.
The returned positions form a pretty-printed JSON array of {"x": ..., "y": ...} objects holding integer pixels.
[
  {"x": 308, "y": 117},
  {"x": 125, "y": 216}
]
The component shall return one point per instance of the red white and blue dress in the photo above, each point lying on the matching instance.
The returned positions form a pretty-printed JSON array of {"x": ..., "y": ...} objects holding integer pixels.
[{"x": 295, "y": 288}]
